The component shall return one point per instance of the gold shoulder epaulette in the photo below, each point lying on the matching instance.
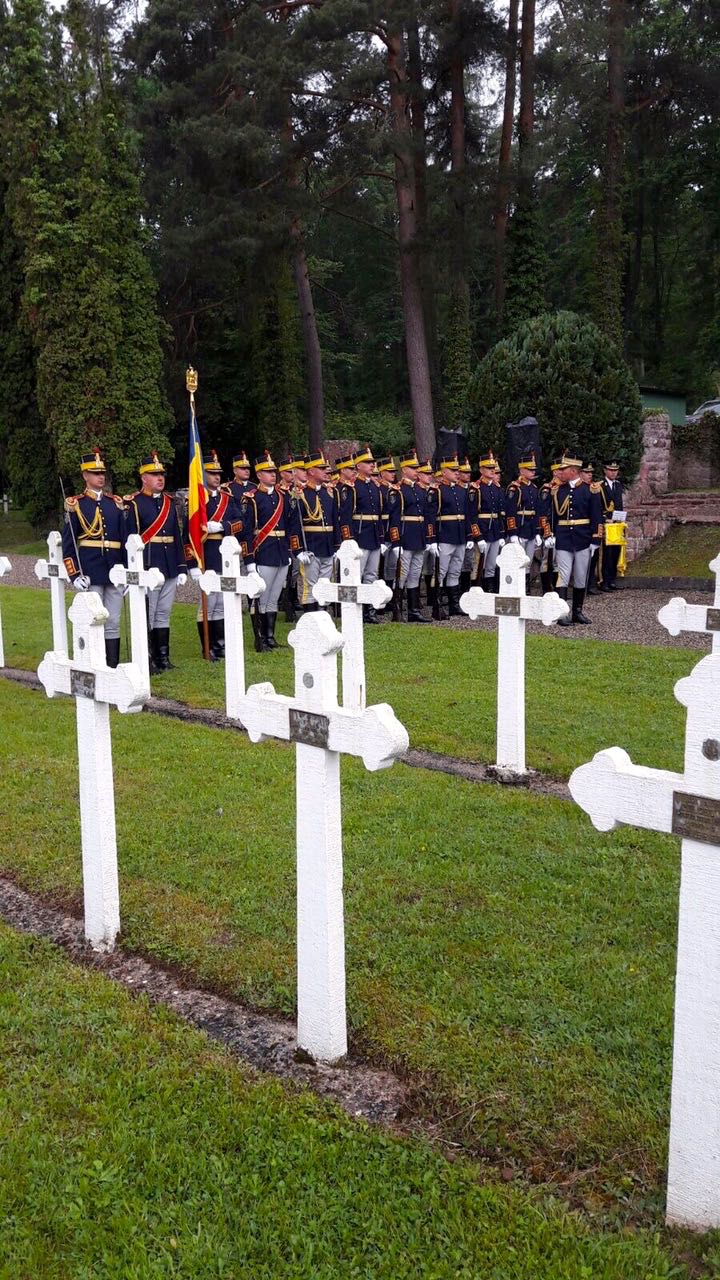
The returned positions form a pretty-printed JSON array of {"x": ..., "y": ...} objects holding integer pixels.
[
  {"x": 225, "y": 488},
  {"x": 71, "y": 503},
  {"x": 128, "y": 497},
  {"x": 596, "y": 487},
  {"x": 119, "y": 502}
]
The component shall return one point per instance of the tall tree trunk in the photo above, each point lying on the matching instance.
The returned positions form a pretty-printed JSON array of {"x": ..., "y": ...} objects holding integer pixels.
[
  {"x": 459, "y": 354},
  {"x": 502, "y": 200},
  {"x": 426, "y": 263},
  {"x": 610, "y": 246},
  {"x": 526, "y": 121},
  {"x": 311, "y": 338},
  {"x": 412, "y": 300}
]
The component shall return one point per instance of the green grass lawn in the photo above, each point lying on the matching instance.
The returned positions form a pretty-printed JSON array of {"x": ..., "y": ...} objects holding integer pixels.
[
  {"x": 516, "y": 964},
  {"x": 18, "y": 535},
  {"x": 581, "y": 695},
  {"x": 684, "y": 552},
  {"x": 134, "y": 1147}
]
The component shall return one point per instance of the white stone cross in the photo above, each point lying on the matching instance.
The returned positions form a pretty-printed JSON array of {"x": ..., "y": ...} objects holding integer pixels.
[
  {"x": 323, "y": 732},
  {"x": 677, "y": 615},
  {"x": 352, "y": 594},
  {"x": 234, "y": 584},
  {"x": 613, "y": 790},
  {"x": 512, "y": 607},
  {"x": 95, "y": 687},
  {"x": 138, "y": 580},
  {"x": 54, "y": 569},
  {"x": 5, "y": 567}
]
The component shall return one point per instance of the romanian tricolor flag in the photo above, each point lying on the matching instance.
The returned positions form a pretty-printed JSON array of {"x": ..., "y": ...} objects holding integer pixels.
[{"x": 197, "y": 493}]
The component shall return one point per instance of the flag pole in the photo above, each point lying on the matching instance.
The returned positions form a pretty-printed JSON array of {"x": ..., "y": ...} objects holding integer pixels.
[{"x": 191, "y": 383}]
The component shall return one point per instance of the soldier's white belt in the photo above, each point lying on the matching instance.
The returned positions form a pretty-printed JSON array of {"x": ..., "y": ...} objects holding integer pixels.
[
  {"x": 275, "y": 533},
  {"x": 522, "y": 512},
  {"x": 213, "y": 537},
  {"x": 99, "y": 542},
  {"x": 318, "y": 528},
  {"x": 366, "y": 517},
  {"x": 163, "y": 538},
  {"x": 486, "y": 515},
  {"x": 459, "y": 517},
  {"x": 407, "y": 519},
  {"x": 566, "y": 523}
]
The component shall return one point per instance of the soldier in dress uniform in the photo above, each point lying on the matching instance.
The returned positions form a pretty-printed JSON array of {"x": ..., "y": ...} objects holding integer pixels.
[
  {"x": 611, "y": 496},
  {"x": 241, "y": 481},
  {"x": 93, "y": 542},
  {"x": 314, "y": 531},
  {"x": 490, "y": 518},
  {"x": 587, "y": 475},
  {"x": 387, "y": 480},
  {"x": 522, "y": 508},
  {"x": 151, "y": 513},
  {"x": 287, "y": 483},
  {"x": 265, "y": 516},
  {"x": 545, "y": 502},
  {"x": 223, "y": 518},
  {"x": 576, "y": 529},
  {"x": 450, "y": 531},
  {"x": 465, "y": 481},
  {"x": 407, "y": 532},
  {"x": 360, "y": 517}
]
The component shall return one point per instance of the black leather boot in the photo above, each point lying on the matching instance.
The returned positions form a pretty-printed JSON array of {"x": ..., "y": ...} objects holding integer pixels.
[
  {"x": 369, "y": 616},
  {"x": 414, "y": 612},
  {"x": 568, "y": 620},
  {"x": 200, "y": 632},
  {"x": 577, "y": 606},
  {"x": 112, "y": 651},
  {"x": 454, "y": 610},
  {"x": 488, "y": 585},
  {"x": 163, "y": 649},
  {"x": 153, "y": 652},
  {"x": 464, "y": 581},
  {"x": 258, "y": 630},
  {"x": 290, "y": 603},
  {"x": 217, "y": 639},
  {"x": 270, "y": 620}
]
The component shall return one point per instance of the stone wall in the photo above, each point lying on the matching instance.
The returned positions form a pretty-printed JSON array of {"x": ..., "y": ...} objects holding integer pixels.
[
  {"x": 697, "y": 467},
  {"x": 654, "y": 474},
  {"x": 652, "y": 508}
]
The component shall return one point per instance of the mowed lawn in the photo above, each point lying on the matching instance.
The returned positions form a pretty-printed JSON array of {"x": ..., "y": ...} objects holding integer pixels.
[
  {"x": 134, "y": 1147},
  {"x": 514, "y": 963},
  {"x": 684, "y": 552},
  {"x": 581, "y": 695}
]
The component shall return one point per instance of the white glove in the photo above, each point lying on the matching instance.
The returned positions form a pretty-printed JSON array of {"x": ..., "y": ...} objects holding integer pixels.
[
  {"x": 82, "y": 582},
  {"x": 482, "y": 546},
  {"x": 469, "y": 545},
  {"x": 538, "y": 540},
  {"x": 384, "y": 547},
  {"x": 215, "y": 526},
  {"x": 501, "y": 542},
  {"x": 433, "y": 548},
  {"x": 182, "y": 579},
  {"x": 194, "y": 574},
  {"x": 304, "y": 557},
  {"x": 514, "y": 538},
  {"x": 550, "y": 542}
]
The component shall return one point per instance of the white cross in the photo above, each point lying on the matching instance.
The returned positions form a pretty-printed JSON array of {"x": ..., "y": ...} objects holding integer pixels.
[
  {"x": 323, "y": 732},
  {"x": 352, "y": 594},
  {"x": 677, "y": 615},
  {"x": 138, "y": 581},
  {"x": 512, "y": 607},
  {"x": 613, "y": 790},
  {"x": 54, "y": 569},
  {"x": 5, "y": 567},
  {"x": 95, "y": 687},
  {"x": 234, "y": 584}
]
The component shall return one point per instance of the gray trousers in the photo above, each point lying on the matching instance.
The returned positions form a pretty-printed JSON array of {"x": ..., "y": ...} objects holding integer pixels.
[
  {"x": 112, "y": 598},
  {"x": 273, "y": 575},
  {"x": 309, "y": 574},
  {"x": 369, "y": 566},
  {"x": 411, "y": 566},
  {"x": 160, "y": 603},
  {"x": 215, "y": 607},
  {"x": 572, "y": 567},
  {"x": 491, "y": 555},
  {"x": 452, "y": 557}
]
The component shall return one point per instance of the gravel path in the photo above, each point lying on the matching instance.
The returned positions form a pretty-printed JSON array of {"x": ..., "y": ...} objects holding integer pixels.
[{"x": 623, "y": 615}]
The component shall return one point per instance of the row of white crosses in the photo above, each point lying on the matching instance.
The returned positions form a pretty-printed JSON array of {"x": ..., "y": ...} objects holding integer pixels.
[
  {"x": 512, "y": 607},
  {"x": 614, "y": 791}
]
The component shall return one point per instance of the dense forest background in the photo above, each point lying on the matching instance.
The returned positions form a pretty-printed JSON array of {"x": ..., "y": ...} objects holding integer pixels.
[{"x": 335, "y": 209}]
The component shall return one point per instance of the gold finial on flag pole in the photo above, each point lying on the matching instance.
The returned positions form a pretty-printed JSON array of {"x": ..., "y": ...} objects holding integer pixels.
[{"x": 191, "y": 383}]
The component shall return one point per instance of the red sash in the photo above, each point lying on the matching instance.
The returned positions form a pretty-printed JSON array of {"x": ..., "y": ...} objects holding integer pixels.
[
  {"x": 221, "y": 507},
  {"x": 274, "y": 520},
  {"x": 158, "y": 522}
]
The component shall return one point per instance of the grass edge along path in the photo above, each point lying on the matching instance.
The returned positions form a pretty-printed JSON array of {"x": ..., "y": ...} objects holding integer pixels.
[
  {"x": 516, "y": 966},
  {"x": 134, "y": 1147},
  {"x": 582, "y": 695}
]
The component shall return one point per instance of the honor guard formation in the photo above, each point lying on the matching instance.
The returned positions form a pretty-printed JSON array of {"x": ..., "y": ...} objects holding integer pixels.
[{"x": 414, "y": 525}]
